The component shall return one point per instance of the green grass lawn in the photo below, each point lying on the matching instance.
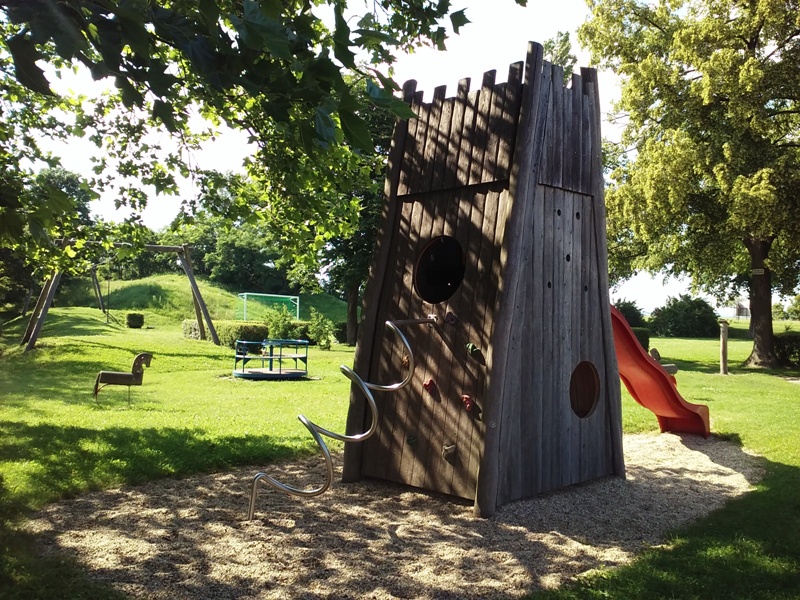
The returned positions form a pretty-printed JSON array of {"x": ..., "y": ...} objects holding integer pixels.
[{"x": 191, "y": 416}]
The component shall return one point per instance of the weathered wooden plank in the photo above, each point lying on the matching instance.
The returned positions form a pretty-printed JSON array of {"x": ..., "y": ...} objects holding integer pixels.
[
  {"x": 481, "y": 133},
  {"x": 567, "y": 259},
  {"x": 576, "y": 355},
  {"x": 557, "y": 146},
  {"x": 467, "y": 139},
  {"x": 547, "y": 151},
  {"x": 407, "y": 152},
  {"x": 386, "y": 244},
  {"x": 493, "y": 129},
  {"x": 508, "y": 127},
  {"x": 456, "y": 133},
  {"x": 444, "y": 140},
  {"x": 614, "y": 423},
  {"x": 567, "y": 143},
  {"x": 432, "y": 151},
  {"x": 576, "y": 140},
  {"x": 548, "y": 338},
  {"x": 492, "y": 487},
  {"x": 586, "y": 148}
]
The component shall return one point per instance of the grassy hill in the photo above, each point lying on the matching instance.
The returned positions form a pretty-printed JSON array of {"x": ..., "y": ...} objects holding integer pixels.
[{"x": 170, "y": 297}]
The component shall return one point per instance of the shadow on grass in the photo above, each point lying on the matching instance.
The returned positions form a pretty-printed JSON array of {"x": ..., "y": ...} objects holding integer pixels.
[{"x": 73, "y": 460}]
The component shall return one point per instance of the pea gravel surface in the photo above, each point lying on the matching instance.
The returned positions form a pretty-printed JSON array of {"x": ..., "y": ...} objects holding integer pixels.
[{"x": 190, "y": 538}]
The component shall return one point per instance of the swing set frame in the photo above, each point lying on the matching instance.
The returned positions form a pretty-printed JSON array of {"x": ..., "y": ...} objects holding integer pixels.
[{"x": 45, "y": 301}]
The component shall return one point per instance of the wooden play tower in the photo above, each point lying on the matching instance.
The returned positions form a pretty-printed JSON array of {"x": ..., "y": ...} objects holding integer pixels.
[{"x": 494, "y": 226}]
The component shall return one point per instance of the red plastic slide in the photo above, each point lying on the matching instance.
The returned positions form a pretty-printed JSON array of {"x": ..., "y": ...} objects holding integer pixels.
[{"x": 652, "y": 387}]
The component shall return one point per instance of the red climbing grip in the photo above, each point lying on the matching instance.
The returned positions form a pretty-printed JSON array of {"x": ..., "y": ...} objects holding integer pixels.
[
  {"x": 467, "y": 400},
  {"x": 430, "y": 386}
]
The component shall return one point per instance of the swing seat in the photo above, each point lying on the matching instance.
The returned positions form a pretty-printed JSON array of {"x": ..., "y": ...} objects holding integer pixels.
[{"x": 105, "y": 378}]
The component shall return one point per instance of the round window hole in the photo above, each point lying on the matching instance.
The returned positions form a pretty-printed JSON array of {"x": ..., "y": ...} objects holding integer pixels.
[
  {"x": 584, "y": 389},
  {"x": 439, "y": 270}
]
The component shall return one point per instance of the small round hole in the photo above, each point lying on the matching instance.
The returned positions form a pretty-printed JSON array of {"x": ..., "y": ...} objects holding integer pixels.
[
  {"x": 586, "y": 288},
  {"x": 558, "y": 212},
  {"x": 549, "y": 285},
  {"x": 568, "y": 258},
  {"x": 584, "y": 389},
  {"x": 578, "y": 216}
]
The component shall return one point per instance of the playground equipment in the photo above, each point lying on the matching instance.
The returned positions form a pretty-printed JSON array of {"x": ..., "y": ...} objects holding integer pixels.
[
  {"x": 271, "y": 359},
  {"x": 652, "y": 386},
  {"x": 495, "y": 223},
  {"x": 317, "y": 432},
  {"x": 39, "y": 314},
  {"x": 105, "y": 378},
  {"x": 253, "y": 306},
  {"x": 494, "y": 230}
]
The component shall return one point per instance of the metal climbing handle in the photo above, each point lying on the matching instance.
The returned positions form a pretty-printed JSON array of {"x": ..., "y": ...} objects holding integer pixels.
[
  {"x": 394, "y": 326},
  {"x": 317, "y": 432}
]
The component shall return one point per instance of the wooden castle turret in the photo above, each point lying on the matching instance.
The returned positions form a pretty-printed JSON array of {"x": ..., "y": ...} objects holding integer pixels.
[{"x": 494, "y": 225}]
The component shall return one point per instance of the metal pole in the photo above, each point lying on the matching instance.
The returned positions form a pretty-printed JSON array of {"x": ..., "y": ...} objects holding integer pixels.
[{"x": 723, "y": 347}]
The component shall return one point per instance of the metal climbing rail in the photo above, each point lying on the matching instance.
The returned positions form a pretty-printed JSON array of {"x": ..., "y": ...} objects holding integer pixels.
[{"x": 317, "y": 432}]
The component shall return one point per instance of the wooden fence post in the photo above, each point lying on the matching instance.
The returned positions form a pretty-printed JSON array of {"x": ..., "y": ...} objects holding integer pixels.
[{"x": 723, "y": 347}]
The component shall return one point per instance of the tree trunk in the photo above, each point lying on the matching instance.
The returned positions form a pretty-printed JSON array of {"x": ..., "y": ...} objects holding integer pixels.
[
  {"x": 763, "y": 353},
  {"x": 352, "y": 314}
]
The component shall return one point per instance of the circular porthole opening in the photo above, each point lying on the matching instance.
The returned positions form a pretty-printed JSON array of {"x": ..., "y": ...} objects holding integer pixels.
[
  {"x": 439, "y": 270},
  {"x": 584, "y": 389}
]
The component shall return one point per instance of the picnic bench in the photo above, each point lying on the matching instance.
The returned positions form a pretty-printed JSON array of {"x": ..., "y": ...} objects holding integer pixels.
[{"x": 105, "y": 378}]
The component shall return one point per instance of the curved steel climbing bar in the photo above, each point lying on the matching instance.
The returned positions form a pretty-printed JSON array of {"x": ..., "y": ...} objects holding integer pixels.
[
  {"x": 394, "y": 326},
  {"x": 317, "y": 432}
]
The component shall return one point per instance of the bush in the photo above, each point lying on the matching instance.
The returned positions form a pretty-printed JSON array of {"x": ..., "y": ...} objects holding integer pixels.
[
  {"x": 279, "y": 322},
  {"x": 134, "y": 320},
  {"x": 685, "y": 317},
  {"x": 643, "y": 335},
  {"x": 321, "y": 329},
  {"x": 340, "y": 332},
  {"x": 787, "y": 348},
  {"x": 632, "y": 313}
]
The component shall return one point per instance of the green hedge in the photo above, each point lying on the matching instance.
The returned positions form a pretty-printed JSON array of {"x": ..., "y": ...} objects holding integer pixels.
[
  {"x": 134, "y": 320},
  {"x": 643, "y": 335},
  {"x": 787, "y": 348},
  {"x": 230, "y": 331}
]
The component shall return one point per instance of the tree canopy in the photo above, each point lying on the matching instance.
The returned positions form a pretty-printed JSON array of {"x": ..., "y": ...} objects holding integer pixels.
[
  {"x": 710, "y": 92},
  {"x": 273, "y": 68}
]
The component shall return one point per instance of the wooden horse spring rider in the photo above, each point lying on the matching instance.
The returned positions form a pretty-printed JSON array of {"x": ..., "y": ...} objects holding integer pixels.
[{"x": 105, "y": 378}]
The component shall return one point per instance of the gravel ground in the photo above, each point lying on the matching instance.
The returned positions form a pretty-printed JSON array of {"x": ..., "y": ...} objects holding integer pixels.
[{"x": 189, "y": 538}]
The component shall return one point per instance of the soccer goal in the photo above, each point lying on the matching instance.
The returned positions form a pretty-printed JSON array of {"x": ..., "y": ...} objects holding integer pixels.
[{"x": 253, "y": 307}]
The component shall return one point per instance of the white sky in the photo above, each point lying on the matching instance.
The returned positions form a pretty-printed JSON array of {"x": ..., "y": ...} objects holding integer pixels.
[{"x": 496, "y": 37}]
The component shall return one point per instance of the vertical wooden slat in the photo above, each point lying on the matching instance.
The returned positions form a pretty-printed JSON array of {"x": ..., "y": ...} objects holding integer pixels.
[
  {"x": 567, "y": 259},
  {"x": 576, "y": 355},
  {"x": 576, "y": 139},
  {"x": 481, "y": 135},
  {"x": 405, "y": 157},
  {"x": 456, "y": 133},
  {"x": 567, "y": 163},
  {"x": 521, "y": 188},
  {"x": 548, "y": 315},
  {"x": 467, "y": 139},
  {"x": 494, "y": 128},
  {"x": 444, "y": 140},
  {"x": 511, "y": 104},
  {"x": 432, "y": 151},
  {"x": 556, "y": 148},
  {"x": 614, "y": 417}
]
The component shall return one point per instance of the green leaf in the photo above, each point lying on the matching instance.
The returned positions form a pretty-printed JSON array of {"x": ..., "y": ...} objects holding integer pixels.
[
  {"x": 341, "y": 40},
  {"x": 324, "y": 125},
  {"x": 356, "y": 130},
  {"x": 268, "y": 31},
  {"x": 382, "y": 99},
  {"x": 165, "y": 112},
  {"x": 25, "y": 54},
  {"x": 368, "y": 36},
  {"x": 209, "y": 14},
  {"x": 458, "y": 19},
  {"x": 130, "y": 95}
]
